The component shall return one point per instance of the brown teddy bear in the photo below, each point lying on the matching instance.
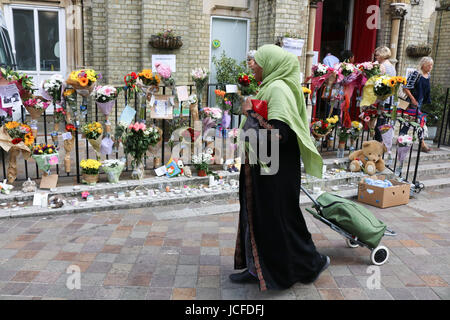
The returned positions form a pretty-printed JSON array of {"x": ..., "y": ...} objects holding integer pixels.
[{"x": 370, "y": 158}]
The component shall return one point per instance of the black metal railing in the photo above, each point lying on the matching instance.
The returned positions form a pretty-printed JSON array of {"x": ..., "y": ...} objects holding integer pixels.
[{"x": 444, "y": 130}]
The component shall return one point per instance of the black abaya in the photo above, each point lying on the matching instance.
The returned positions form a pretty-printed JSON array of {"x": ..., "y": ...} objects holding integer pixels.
[{"x": 282, "y": 250}]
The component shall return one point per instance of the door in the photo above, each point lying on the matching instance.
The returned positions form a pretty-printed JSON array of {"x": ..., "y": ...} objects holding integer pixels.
[
  {"x": 230, "y": 35},
  {"x": 38, "y": 37},
  {"x": 364, "y": 33}
]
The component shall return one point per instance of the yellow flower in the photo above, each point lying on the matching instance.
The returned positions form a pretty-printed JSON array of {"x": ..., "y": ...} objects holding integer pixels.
[
  {"x": 11, "y": 125},
  {"x": 306, "y": 90},
  {"x": 392, "y": 81}
]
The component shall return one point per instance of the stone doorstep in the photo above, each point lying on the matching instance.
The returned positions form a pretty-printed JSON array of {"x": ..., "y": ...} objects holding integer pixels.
[
  {"x": 160, "y": 183},
  {"x": 104, "y": 188},
  {"x": 424, "y": 158},
  {"x": 182, "y": 199}
]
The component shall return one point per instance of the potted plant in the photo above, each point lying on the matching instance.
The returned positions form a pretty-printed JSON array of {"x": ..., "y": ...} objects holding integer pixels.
[
  {"x": 434, "y": 110},
  {"x": 89, "y": 170},
  {"x": 166, "y": 40},
  {"x": 201, "y": 163}
]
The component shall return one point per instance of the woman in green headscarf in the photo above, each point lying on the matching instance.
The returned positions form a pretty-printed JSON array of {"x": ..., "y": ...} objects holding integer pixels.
[{"x": 273, "y": 243}]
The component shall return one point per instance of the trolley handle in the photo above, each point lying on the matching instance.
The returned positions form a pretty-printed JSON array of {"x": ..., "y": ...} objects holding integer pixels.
[{"x": 316, "y": 204}]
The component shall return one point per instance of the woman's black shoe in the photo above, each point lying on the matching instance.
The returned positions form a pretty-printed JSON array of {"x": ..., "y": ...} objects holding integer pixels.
[
  {"x": 243, "y": 277},
  {"x": 327, "y": 263}
]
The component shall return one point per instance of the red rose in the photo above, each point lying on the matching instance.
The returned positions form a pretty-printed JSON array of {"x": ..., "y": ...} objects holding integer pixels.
[
  {"x": 134, "y": 75},
  {"x": 16, "y": 140}
]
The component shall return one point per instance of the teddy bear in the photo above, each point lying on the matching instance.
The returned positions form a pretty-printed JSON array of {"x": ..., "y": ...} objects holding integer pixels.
[{"x": 369, "y": 158}]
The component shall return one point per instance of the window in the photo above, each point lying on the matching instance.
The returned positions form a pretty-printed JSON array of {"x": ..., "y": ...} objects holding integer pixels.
[{"x": 38, "y": 38}]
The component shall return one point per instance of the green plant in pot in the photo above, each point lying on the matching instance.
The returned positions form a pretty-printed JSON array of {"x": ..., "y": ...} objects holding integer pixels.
[
  {"x": 227, "y": 72},
  {"x": 434, "y": 110}
]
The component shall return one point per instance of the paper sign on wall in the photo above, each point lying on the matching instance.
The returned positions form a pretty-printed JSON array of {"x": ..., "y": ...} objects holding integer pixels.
[
  {"x": 10, "y": 96},
  {"x": 167, "y": 59},
  {"x": 182, "y": 93},
  {"x": 294, "y": 46}
]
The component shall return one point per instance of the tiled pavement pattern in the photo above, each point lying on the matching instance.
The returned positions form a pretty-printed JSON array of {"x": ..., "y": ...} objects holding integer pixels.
[{"x": 133, "y": 255}]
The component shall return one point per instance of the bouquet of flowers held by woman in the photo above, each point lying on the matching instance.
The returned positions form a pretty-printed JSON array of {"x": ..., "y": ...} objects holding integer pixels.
[
  {"x": 113, "y": 169},
  {"x": 15, "y": 137},
  {"x": 136, "y": 140},
  {"x": 93, "y": 132},
  {"x": 45, "y": 155},
  {"x": 200, "y": 78},
  {"x": 247, "y": 84}
]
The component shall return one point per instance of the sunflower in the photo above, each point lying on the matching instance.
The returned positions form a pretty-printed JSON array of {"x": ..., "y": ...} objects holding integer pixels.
[
  {"x": 68, "y": 92},
  {"x": 392, "y": 82},
  {"x": 83, "y": 81}
]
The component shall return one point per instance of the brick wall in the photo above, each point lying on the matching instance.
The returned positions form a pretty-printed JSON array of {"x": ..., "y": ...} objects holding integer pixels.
[{"x": 441, "y": 47}]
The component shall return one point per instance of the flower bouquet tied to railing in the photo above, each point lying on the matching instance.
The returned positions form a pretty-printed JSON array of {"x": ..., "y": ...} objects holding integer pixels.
[
  {"x": 148, "y": 82},
  {"x": 69, "y": 143},
  {"x": 93, "y": 132},
  {"x": 113, "y": 169},
  {"x": 15, "y": 138},
  {"x": 35, "y": 108},
  {"x": 45, "y": 155},
  {"x": 200, "y": 78},
  {"x": 83, "y": 80},
  {"x": 321, "y": 128}
]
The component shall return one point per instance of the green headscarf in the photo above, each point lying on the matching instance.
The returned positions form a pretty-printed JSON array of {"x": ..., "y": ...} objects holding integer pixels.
[{"x": 282, "y": 90}]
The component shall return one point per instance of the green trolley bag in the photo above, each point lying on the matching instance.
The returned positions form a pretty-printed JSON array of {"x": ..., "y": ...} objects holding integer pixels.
[{"x": 353, "y": 218}]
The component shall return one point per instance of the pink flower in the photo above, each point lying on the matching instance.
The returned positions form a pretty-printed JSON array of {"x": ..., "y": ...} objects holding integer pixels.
[
  {"x": 84, "y": 194},
  {"x": 136, "y": 126},
  {"x": 130, "y": 127},
  {"x": 163, "y": 70},
  {"x": 108, "y": 91},
  {"x": 367, "y": 119},
  {"x": 53, "y": 160},
  {"x": 142, "y": 126}
]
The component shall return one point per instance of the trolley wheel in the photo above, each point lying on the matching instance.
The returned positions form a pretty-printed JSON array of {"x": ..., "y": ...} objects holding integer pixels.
[
  {"x": 379, "y": 255},
  {"x": 351, "y": 243}
]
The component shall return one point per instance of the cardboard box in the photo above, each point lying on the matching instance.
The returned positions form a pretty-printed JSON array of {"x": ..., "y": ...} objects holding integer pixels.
[{"x": 396, "y": 195}]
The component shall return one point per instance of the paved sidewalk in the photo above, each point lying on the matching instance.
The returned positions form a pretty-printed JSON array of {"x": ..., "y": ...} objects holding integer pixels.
[{"x": 136, "y": 254}]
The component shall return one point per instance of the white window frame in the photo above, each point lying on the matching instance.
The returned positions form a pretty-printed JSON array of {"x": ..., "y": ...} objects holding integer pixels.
[{"x": 62, "y": 35}]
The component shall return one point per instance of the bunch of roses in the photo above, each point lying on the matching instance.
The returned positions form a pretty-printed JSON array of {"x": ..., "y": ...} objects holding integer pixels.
[
  {"x": 36, "y": 103},
  {"x": 247, "y": 84}
]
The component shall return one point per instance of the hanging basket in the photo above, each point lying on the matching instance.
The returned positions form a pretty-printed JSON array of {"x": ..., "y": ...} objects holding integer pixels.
[
  {"x": 165, "y": 43},
  {"x": 418, "y": 51}
]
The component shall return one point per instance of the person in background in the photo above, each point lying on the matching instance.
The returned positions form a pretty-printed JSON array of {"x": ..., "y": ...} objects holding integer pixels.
[
  {"x": 348, "y": 56},
  {"x": 418, "y": 90},
  {"x": 251, "y": 58},
  {"x": 382, "y": 55},
  {"x": 330, "y": 60}
]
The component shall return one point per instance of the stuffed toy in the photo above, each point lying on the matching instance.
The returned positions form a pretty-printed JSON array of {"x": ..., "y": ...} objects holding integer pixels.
[{"x": 369, "y": 158}]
